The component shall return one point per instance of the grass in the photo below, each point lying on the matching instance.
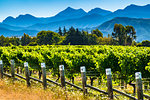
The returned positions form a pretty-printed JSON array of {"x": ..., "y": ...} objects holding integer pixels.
[{"x": 19, "y": 91}]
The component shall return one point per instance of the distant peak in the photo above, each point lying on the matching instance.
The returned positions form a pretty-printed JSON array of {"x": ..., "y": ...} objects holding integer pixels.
[
  {"x": 10, "y": 17},
  {"x": 80, "y": 9},
  {"x": 137, "y": 7},
  {"x": 26, "y": 15},
  {"x": 132, "y": 5},
  {"x": 72, "y": 12},
  {"x": 99, "y": 11},
  {"x": 69, "y": 8},
  {"x": 96, "y": 8}
]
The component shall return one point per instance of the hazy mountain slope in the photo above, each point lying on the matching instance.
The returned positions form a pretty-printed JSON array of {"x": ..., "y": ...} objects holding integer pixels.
[
  {"x": 83, "y": 22},
  {"x": 132, "y": 11},
  {"x": 28, "y": 20},
  {"x": 99, "y": 11},
  {"x": 22, "y": 20},
  {"x": 66, "y": 14},
  {"x": 142, "y": 26},
  {"x": 10, "y": 27},
  {"x": 9, "y": 33}
]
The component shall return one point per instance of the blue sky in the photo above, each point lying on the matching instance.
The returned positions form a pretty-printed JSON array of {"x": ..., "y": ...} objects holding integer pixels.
[{"x": 47, "y": 8}]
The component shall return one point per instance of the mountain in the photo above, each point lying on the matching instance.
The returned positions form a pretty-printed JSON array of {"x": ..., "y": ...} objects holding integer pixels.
[
  {"x": 72, "y": 13},
  {"x": 10, "y": 27},
  {"x": 78, "y": 18},
  {"x": 28, "y": 20},
  {"x": 9, "y": 33},
  {"x": 83, "y": 22},
  {"x": 99, "y": 11},
  {"x": 132, "y": 11},
  {"x": 142, "y": 26},
  {"x": 69, "y": 13},
  {"x": 22, "y": 20}
]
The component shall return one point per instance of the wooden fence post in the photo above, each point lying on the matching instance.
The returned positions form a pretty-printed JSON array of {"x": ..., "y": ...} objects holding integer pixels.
[
  {"x": 138, "y": 78},
  {"x": 12, "y": 69},
  {"x": 62, "y": 75},
  {"x": 43, "y": 67},
  {"x": 83, "y": 75},
  {"x": 1, "y": 69},
  {"x": 27, "y": 73},
  {"x": 109, "y": 83}
]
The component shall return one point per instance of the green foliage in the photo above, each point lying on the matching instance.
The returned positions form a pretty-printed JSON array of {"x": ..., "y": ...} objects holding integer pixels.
[
  {"x": 6, "y": 41},
  {"x": 123, "y": 60},
  {"x": 121, "y": 36},
  {"x": 64, "y": 32},
  {"x": 97, "y": 33},
  {"x": 60, "y": 32},
  {"x": 148, "y": 67},
  {"x": 32, "y": 44},
  {"x": 105, "y": 40},
  {"x": 146, "y": 43},
  {"x": 92, "y": 39},
  {"x": 25, "y": 39},
  {"x": 48, "y": 37},
  {"x": 124, "y": 35},
  {"x": 76, "y": 37}
]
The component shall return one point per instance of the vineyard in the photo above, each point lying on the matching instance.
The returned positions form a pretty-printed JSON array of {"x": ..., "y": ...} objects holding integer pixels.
[{"x": 124, "y": 62}]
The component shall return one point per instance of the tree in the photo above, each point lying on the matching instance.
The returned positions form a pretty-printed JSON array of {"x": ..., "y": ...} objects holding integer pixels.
[
  {"x": 14, "y": 41},
  {"x": 71, "y": 37},
  {"x": 85, "y": 37},
  {"x": 130, "y": 35},
  {"x": 97, "y": 32},
  {"x": 64, "y": 31},
  {"x": 2, "y": 40},
  {"x": 48, "y": 37},
  {"x": 124, "y": 35},
  {"x": 25, "y": 39},
  {"x": 146, "y": 43},
  {"x": 92, "y": 40},
  {"x": 119, "y": 33},
  {"x": 105, "y": 40},
  {"x": 7, "y": 41},
  {"x": 60, "y": 32},
  {"x": 76, "y": 37}
]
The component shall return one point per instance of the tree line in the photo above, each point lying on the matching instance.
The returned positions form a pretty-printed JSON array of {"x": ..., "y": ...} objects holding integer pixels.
[{"x": 122, "y": 35}]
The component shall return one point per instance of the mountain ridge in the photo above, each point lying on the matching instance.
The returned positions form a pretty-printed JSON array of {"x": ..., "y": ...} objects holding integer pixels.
[
  {"x": 78, "y": 18},
  {"x": 68, "y": 13},
  {"x": 99, "y": 11}
]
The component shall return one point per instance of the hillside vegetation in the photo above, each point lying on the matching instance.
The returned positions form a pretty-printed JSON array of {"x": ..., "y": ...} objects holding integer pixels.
[{"x": 123, "y": 60}]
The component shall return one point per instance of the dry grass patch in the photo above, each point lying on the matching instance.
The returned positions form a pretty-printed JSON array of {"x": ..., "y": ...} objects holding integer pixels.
[{"x": 19, "y": 91}]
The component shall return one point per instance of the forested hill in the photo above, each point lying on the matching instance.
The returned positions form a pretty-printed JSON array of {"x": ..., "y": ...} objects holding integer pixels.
[{"x": 142, "y": 26}]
